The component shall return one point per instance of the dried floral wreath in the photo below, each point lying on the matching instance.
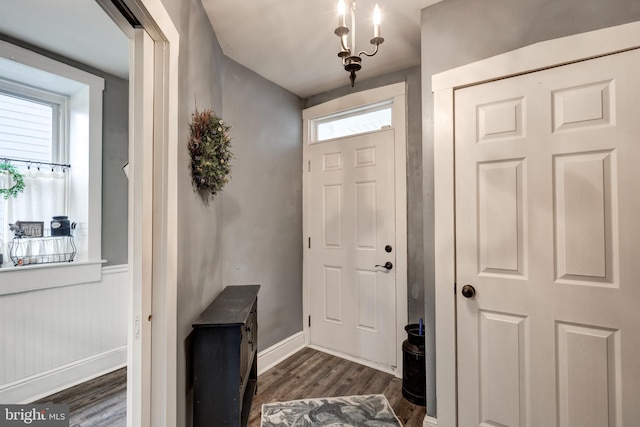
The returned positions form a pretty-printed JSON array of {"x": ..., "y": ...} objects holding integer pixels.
[
  {"x": 209, "y": 145},
  {"x": 16, "y": 177}
]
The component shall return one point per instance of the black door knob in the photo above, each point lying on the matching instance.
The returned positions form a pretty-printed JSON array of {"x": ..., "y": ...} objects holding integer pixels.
[
  {"x": 386, "y": 265},
  {"x": 468, "y": 291}
]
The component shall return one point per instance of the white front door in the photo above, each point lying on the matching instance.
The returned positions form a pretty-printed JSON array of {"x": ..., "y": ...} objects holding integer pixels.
[
  {"x": 352, "y": 217},
  {"x": 547, "y": 204}
]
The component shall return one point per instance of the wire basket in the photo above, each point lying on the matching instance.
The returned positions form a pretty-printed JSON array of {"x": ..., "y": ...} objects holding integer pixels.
[{"x": 42, "y": 250}]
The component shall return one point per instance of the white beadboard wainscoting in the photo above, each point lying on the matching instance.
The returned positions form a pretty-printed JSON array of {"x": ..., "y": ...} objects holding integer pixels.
[{"x": 54, "y": 338}]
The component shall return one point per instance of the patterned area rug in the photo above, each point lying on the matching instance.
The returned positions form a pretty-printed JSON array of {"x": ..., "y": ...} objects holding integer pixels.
[{"x": 357, "y": 411}]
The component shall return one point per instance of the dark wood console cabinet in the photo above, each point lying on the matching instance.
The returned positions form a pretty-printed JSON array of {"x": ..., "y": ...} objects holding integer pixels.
[{"x": 225, "y": 358}]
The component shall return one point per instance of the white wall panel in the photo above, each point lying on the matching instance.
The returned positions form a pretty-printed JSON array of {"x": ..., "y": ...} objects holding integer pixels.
[
  {"x": 333, "y": 294},
  {"x": 587, "y": 376},
  {"x": 501, "y": 223},
  {"x": 503, "y": 370},
  {"x": 501, "y": 120},
  {"x": 366, "y": 215},
  {"x": 333, "y": 216},
  {"x": 366, "y": 287},
  {"x": 46, "y": 333},
  {"x": 332, "y": 162},
  {"x": 583, "y": 220},
  {"x": 583, "y": 106},
  {"x": 365, "y": 157}
]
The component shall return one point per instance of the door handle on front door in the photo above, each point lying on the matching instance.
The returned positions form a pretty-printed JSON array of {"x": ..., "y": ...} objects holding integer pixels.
[{"x": 386, "y": 265}]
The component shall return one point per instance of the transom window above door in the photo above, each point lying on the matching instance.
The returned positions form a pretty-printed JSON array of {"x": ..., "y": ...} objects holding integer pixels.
[{"x": 355, "y": 121}]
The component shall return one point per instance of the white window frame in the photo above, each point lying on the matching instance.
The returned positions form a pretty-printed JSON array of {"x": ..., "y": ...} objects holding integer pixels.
[
  {"x": 84, "y": 130},
  {"x": 59, "y": 140},
  {"x": 59, "y": 145},
  {"x": 358, "y": 111}
]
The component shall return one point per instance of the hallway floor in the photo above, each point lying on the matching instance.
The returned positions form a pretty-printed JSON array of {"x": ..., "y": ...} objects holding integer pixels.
[
  {"x": 101, "y": 402},
  {"x": 309, "y": 373}
]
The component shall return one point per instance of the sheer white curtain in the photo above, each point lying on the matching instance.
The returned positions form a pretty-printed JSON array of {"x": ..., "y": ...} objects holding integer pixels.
[
  {"x": 5, "y": 183},
  {"x": 44, "y": 196}
]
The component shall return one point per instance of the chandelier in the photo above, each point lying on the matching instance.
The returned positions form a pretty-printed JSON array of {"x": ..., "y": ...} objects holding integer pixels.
[{"x": 350, "y": 60}]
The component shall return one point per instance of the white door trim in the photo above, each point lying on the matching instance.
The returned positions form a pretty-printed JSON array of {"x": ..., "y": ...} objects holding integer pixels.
[
  {"x": 159, "y": 283},
  {"x": 531, "y": 58},
  {"x": 161, "y": 246},
  {"x": 396, "y": 92}
]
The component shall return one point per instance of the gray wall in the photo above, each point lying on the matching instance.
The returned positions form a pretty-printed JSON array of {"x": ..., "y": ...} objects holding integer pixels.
[
  {"x": 457, "y": 32},
  {"x": 115, "y": 186},
  {"x": 262, "y": 204},
  {"x": 115, "y": 154},
  {"x": 200, "y": 225},
  {"x": 415, "y": 262},
  {"x": 251, "y": 232}
]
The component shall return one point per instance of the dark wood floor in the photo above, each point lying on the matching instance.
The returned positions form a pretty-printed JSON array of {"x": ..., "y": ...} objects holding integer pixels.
[
  {"x": 310, "y": 373},
  {"x": 307, "y": 374},
  {"x": 100, "y": 402}
]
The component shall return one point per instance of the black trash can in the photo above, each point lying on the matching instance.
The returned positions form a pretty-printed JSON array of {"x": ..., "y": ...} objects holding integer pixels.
[{"x": 413, "y": 366}]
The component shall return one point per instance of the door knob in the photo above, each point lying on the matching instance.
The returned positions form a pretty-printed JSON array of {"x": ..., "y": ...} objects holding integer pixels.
[
  {"x": 386, "y": 265},
  {"x": 468, "y": 291}
]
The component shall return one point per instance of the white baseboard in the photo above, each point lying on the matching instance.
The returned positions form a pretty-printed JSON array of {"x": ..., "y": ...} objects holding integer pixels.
[
  {"x": 38, "y": 386},
  {"x": 275, "y": 354},
  {"x": 429, "y": 422},
  {"x": 115, "y": 269}
]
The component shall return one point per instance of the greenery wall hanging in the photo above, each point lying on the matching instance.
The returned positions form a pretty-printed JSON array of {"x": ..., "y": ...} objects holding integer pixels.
[
  {"x": 209, "y": 146},
  {"x": 16, "y": 177}
]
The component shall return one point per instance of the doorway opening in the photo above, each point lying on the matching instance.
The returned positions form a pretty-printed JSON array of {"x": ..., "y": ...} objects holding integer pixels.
[{"x": 354, "y": 223}]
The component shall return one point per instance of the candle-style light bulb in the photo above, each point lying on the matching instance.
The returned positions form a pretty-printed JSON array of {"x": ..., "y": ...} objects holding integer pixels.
[
  {"x": 376, "y": 21},
  {"x": 341, "y": 13}
]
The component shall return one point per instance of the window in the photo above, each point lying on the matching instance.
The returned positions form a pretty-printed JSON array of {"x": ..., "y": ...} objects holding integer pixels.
[
  {"x": 51, "y": 112},
  {"x": 353, "y": 122},
  {"x": 30, "y": 125}
]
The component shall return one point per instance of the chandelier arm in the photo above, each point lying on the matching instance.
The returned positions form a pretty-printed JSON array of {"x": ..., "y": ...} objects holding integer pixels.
[
  {"x": 369, "y": 54},
  {"x": 376, "y": 41}
]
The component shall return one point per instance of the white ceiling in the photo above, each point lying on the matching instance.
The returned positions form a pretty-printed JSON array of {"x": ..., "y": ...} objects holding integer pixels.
[
  {"x": 77, "y": 29},
  {"x": 290, "y": 43}
]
